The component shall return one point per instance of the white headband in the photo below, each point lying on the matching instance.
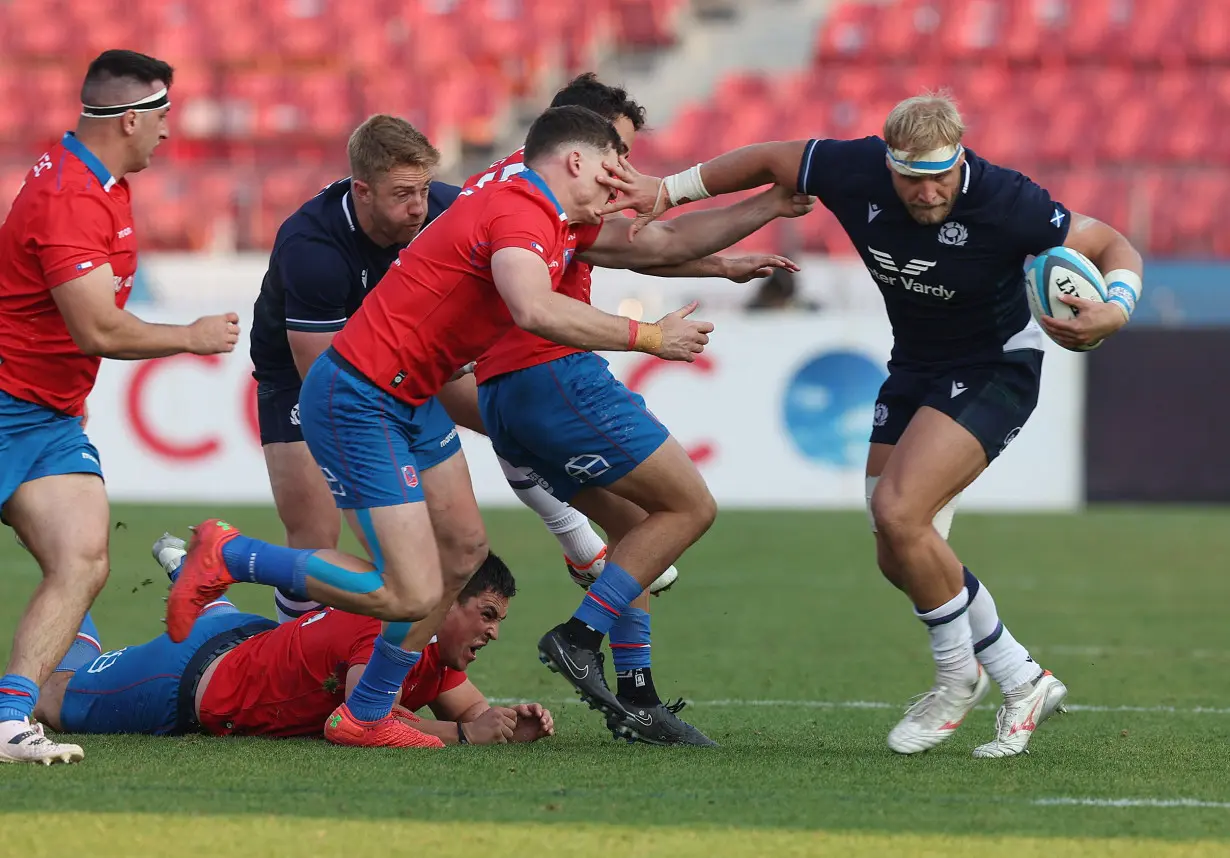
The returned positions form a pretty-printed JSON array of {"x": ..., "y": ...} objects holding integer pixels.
[
  {"x": 925, "y": 163},
  {"x": 155, "y": 101}
]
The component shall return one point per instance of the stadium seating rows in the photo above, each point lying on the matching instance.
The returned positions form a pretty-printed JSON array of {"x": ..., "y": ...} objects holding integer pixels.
[{"x": 1119, "y": 106}]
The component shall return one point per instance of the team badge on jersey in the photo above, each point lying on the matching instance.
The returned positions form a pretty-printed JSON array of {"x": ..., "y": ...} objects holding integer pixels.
[{"x": 953, "y": 233}]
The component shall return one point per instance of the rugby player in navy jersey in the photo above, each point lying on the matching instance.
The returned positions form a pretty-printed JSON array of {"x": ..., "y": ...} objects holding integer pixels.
[
  {"x": 945, "y": 235},
  {"x": 326, "y": 257}
]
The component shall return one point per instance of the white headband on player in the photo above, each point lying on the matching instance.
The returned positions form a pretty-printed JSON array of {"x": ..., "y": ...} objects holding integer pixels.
[
  {"x": 925, "y": 163},
  {"x": 154, "y": 101}
]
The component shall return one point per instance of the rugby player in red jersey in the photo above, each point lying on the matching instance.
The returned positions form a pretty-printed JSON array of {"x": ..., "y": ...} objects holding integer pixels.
[
  {"x": 491, "y": 262},
  {"x": 239, "y": 674},
  {"x": 590, "y": 408},
  {"x": 67, "y": 258}
]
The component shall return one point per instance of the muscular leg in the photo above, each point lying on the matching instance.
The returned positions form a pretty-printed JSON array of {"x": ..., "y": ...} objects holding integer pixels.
[
  {"x": 461, "y": 539},
  {"x": 72, "y": 552},
  {"x": 934, "y": 460},
  {"x": 679, "y": 510},
  {"x": 305, "y": 506}
]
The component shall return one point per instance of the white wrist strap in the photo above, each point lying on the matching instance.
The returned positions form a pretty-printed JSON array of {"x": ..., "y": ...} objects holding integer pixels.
[
  {"x": 686, "y": 187},
  {"x": 1123, "y": 287}
]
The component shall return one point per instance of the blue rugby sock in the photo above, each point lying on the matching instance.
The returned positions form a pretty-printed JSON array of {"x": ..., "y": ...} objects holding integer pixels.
[
  {"x": 86, "y": 647},
  {"x": 18, "y": 697},
  {"x": 630, "y": 648},
  {"x": 256, "y": 562},
  {"x": 373, "y": 696},
  {"x": 607, "y": 598}
]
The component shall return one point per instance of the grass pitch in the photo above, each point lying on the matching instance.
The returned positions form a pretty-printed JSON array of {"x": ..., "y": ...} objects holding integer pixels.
[{"x": 797, "y": 657}]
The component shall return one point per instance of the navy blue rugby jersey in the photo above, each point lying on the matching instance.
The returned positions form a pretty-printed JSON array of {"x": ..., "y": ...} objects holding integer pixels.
[
  {"x": 955, "y": 291},
  {"x": 320, "y": 270}
]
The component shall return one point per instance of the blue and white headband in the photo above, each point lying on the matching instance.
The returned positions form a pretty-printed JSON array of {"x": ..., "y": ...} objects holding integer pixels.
[
  {"x": 153, "y": 101},
  {"x": 925, "y": 163}
]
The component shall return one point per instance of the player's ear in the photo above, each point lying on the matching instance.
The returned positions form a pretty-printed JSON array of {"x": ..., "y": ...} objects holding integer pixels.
[
  {"x": 128, "y": 123},
  {"x": 574, "y": 162}
]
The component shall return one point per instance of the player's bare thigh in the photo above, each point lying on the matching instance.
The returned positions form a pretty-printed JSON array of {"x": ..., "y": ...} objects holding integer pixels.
[
  {"x": 401, "y": 540},
  {"x": 63, "y": 544},
  {"x": 456, "y": 521},
  {"x": 64, "y": 520},
  {"x": 302, "y": 497},
  {"x": 934, "y": 460},
  {"x": 460, "y": 399},
  {"x": 667, "y": 486}
]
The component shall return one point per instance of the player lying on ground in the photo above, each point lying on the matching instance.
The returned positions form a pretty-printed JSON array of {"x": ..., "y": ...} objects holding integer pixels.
[
  {"x": 547, "y": 427},
  {"x": 244, "y": 675},
  {"x": 325, "y": 258},
  {"x": 68, "y": 254},
  {"x": 945, "y": 235},
  {"x": 459, "y": 287}
]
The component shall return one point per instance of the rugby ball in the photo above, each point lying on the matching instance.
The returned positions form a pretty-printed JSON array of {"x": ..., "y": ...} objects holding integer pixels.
[{"x": 1062, "y": 271}]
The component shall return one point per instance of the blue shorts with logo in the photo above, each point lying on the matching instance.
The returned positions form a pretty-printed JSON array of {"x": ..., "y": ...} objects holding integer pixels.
[
  {"x": 370, "y": 445},
  {"x": 150, "y": 688},
  {"x": 570, "y": 421},
  {"x": 37, "y": 442}
]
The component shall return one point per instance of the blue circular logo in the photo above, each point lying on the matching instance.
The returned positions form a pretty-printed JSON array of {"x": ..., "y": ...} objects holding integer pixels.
[{"x": 829, "y": 406}]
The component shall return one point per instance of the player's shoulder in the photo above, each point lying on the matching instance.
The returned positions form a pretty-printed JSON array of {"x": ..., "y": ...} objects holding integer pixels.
[
  {"x": 843, "y": 167},
  {"x": 1000, "y": 191},
  {"x": 861, "y": 154},
  {"x": 324, "y": 219}
]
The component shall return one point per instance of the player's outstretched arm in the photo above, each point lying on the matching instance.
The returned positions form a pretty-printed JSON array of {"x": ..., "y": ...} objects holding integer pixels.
[
  {"x": 523, "y": 281},
  {"x": 1123, "y": 269},
  {"x": 693, "y": 235},
  {"x": 739, "y": 269},
  {"x": 737, "y": 170},
  {"x": 100, "y": 328}
]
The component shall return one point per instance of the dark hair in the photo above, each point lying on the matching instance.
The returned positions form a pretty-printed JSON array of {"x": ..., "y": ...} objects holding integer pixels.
[
  {"x": 493, "y": 575},
  {"x": 562, "y": 126},
  {"x": 129, "y": 65},
  {"x": 610, "y": 101}
]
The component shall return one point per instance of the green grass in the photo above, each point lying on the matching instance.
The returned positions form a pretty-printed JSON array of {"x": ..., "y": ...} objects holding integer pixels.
[{"x": 1129, "y": 607}]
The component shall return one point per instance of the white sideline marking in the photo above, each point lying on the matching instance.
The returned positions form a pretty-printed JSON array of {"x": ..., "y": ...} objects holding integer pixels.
[
  {"x": 1129, "y": 802},
  {"x": 880, "y": 704}
]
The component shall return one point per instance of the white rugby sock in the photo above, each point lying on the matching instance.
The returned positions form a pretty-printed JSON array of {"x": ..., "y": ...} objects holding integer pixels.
[
  {"x": 581, "y": 544},
  {"x": 951, "y": 643},
  {"x": 1004, "y": 658},
  {"x": 290, "y": 609}
]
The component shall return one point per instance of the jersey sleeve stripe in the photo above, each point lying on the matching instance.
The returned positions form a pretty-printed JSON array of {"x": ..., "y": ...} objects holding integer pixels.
[
  {"x": 315, "y": 325},
  {"x": 805, "y": 167}
]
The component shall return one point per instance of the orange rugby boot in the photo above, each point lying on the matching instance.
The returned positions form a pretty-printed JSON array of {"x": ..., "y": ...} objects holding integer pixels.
[
  {"x": 343, "y": 728},
  {"x": 203, "y": 577}
]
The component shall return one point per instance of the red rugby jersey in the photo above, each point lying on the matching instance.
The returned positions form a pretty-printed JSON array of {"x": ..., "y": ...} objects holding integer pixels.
[
  {"x": 287, "y": 681},
  {"x": 70, "y": 217},
  {"x": 518, "y": 348},
  {"x": 437, "y": 308}
]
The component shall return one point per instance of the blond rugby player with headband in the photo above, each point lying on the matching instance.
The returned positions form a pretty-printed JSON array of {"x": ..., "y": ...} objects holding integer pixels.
[{"x": 945, "y": 235}]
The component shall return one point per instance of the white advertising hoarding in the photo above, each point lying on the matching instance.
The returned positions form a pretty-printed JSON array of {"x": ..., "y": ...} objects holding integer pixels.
[{"x": 776, "y": 413}]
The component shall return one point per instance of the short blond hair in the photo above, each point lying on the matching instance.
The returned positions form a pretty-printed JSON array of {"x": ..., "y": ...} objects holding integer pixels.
[
  {"x": 384, "y": 142},
  {"x": 924, "y": 123}
]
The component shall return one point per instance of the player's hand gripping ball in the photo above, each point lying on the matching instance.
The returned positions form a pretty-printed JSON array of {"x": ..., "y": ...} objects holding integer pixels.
[{"x": 1057, "y": 275}]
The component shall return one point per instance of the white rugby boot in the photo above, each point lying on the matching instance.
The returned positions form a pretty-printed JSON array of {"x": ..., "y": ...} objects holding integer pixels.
[
  {"x": 23, "y": 742},
  {"x": 932, "y": 717},
  {"x": 169, "y": 551},
  {"x": 1021, "y": 714},
  {"x": 588, "y": 574}
]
